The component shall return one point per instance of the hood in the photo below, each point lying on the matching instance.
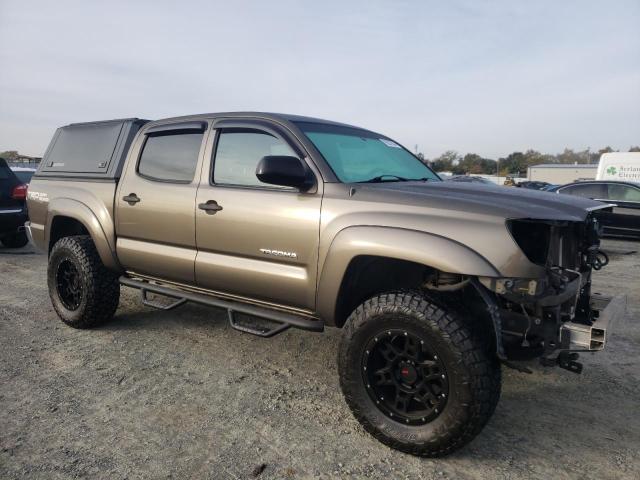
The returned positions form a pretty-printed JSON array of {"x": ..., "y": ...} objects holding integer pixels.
[{"x": 507, "y": 202}]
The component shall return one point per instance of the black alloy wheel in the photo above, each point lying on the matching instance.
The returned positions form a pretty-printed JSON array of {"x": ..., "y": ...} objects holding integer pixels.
[
  {"x": 84, "y": 293},
  {"x": 420, "y": 377},
  {"x": 404, "y": 377},
  {"x": 69, "y": 284}
]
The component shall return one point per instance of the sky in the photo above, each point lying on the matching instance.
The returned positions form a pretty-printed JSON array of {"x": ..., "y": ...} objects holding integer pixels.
[{"x": 488, "y": 77}]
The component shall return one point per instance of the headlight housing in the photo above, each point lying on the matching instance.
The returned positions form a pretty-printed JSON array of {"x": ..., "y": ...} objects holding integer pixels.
[{"x": 533, "y": 238}]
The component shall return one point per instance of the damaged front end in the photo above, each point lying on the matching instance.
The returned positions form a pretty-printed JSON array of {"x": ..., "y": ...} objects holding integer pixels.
[{"x": 554, "y": 316}]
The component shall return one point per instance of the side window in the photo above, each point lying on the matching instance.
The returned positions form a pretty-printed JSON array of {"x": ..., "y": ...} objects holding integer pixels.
[
  {"x": 170, "y": 158},
  {"x": 588, "y": 190},
  {"x": 238, "y": 153},
  {"x": 623, "y": 193}
]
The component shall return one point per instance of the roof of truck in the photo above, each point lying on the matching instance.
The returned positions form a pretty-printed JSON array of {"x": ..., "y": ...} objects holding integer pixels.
[
  {"x": 268, "y": 115},
  {"x": 281, "y": 117}
]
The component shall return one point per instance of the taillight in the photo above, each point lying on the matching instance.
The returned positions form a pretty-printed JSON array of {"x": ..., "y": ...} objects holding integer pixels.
[{"x": 19, "y": 192}]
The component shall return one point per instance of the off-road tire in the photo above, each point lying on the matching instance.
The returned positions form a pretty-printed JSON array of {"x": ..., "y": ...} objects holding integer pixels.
[
  {"x": 15, "y": 240},
  {"x": 474, "y": 375},
  {"x": 100, "y": 289}
]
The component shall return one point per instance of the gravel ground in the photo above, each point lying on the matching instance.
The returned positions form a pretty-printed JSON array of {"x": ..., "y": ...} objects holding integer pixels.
[{"x": 179, "y": 394}]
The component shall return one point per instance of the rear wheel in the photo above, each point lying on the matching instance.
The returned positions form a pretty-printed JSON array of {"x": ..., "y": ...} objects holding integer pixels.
[
  {"x": 83, "y": 291},
  {"x": 415, "y": 376},
  {"x": 15, "y": 240}
]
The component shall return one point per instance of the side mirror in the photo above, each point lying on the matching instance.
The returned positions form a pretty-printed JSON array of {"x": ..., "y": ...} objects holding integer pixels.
[{"x": 284, "y": 170}]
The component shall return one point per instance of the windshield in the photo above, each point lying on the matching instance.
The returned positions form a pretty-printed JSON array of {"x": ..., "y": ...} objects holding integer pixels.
[{"x": 357, "y": 155}]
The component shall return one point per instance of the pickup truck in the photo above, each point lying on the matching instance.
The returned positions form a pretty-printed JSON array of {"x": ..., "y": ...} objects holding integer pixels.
[{"x": 287, "y": 221}]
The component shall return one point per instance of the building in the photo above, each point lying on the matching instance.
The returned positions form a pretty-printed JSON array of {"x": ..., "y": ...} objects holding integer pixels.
[
  {"x": 561, "y": 173},
  {"x": 23, "y": 161}
]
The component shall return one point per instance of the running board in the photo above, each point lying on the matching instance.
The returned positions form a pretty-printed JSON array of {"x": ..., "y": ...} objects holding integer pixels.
[{"x": 283, "y": 319}]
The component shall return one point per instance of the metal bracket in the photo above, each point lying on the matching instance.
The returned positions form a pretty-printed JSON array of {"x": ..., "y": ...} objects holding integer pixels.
[
  {"x": 494, "y": 312},
  {"x": 254, "y": 331},
  {"x": 150, "y": 303},
  {"x": 566, "y": 360}
]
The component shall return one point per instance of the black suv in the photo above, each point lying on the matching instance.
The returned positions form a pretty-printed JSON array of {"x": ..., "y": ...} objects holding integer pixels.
[{"x": 13, "y": 207}]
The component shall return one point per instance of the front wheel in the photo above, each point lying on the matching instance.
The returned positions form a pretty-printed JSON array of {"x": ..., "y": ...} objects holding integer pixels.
[
  {"x": 83, "y": 291},
  {"x": 415, "y": 376}
]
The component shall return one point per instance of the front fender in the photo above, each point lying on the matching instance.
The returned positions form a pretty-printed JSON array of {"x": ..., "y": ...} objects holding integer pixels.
[
  {"x": 102, "y": 233},
  {"x": 426, "y": 249}
]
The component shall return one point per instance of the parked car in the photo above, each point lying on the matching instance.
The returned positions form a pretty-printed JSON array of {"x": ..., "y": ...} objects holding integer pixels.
[
  {"x": 470, "y": 179},
  {"x": 310, "y": 223},
  {"x": 533, "y": 185},
  {"x": 623, "y": 219},
  {"x": 13, "y": 207}
]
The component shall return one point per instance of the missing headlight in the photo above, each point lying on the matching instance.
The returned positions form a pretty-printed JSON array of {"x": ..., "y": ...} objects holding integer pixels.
[{"x": 532, "y": 237}]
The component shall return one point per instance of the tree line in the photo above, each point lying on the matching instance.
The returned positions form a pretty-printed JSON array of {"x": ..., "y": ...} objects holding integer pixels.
[{"x": 515, "y": 163}]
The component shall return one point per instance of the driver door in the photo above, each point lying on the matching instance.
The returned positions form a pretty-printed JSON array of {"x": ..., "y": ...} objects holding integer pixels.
[{"x": 254, "y": 240}]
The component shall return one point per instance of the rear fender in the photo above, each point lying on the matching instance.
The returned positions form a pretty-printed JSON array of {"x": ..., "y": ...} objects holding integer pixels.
[{"x": 99, "y": 225}]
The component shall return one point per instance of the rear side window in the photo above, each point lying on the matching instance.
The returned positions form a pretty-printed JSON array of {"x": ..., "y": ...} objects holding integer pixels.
[
  {"x": 238, "y": 154},
  {"x": 625, "y": 193},
  {"x": 588, "y": 190},
  {"x": 170, "y": 158}
]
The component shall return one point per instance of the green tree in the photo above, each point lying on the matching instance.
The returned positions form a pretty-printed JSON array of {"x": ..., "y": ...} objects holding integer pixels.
[
  {"x": 446, "y": 162},
  {"x": 512, "y": 164},
  {"x": 10, "y": 155},
  {"x": 473, "y": 163}
]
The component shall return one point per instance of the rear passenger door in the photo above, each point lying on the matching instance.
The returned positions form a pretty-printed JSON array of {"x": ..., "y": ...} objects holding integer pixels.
[
  {"x": 262, "y": 242},
  {"x": 155, "y": 216}
]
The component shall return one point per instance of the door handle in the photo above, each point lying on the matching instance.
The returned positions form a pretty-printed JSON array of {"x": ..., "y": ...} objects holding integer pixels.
[
  {"x": 211, "y": 207},
  {"x": 131, "y": 199}
]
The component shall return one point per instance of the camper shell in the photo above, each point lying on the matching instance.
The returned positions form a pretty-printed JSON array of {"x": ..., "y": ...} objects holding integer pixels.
[{"x": 91, "y": 150}]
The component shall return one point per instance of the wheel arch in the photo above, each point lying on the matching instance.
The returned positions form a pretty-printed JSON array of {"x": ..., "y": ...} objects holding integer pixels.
[
  {"x": 374, "y": 259},
  {"x": 70, "y": 217}
]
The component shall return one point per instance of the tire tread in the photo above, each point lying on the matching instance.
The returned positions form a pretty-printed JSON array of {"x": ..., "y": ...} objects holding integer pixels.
[
  {"x": 102, "y": 287},
  {"x": 484, "y": 369}
]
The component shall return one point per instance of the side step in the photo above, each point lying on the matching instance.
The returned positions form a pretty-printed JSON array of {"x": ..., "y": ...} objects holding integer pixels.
[{"x": 283, "y": 320}]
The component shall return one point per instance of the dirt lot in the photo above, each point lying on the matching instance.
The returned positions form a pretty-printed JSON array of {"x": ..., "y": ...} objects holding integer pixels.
[{"x": 179, "y": 394}]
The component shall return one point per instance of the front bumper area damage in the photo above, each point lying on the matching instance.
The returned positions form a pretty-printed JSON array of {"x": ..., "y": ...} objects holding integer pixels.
[
  {"x": 578, "y": 337},
  {"x": 553, "y": 317}
]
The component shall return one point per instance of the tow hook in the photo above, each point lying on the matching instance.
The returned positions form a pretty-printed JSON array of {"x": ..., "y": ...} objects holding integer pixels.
[
  {"x": 596, "y": 258},
  {"x": 566, "y": 360}
]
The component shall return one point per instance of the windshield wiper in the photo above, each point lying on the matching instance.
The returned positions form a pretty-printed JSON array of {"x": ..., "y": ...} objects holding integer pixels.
[
  {"x": 394, "y": 178},
  {"x": 383, "y": 178}
]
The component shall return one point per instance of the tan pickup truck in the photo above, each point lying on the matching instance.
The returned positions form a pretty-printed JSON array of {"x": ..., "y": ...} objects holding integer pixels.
[{"x": 288, "y": 221}]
